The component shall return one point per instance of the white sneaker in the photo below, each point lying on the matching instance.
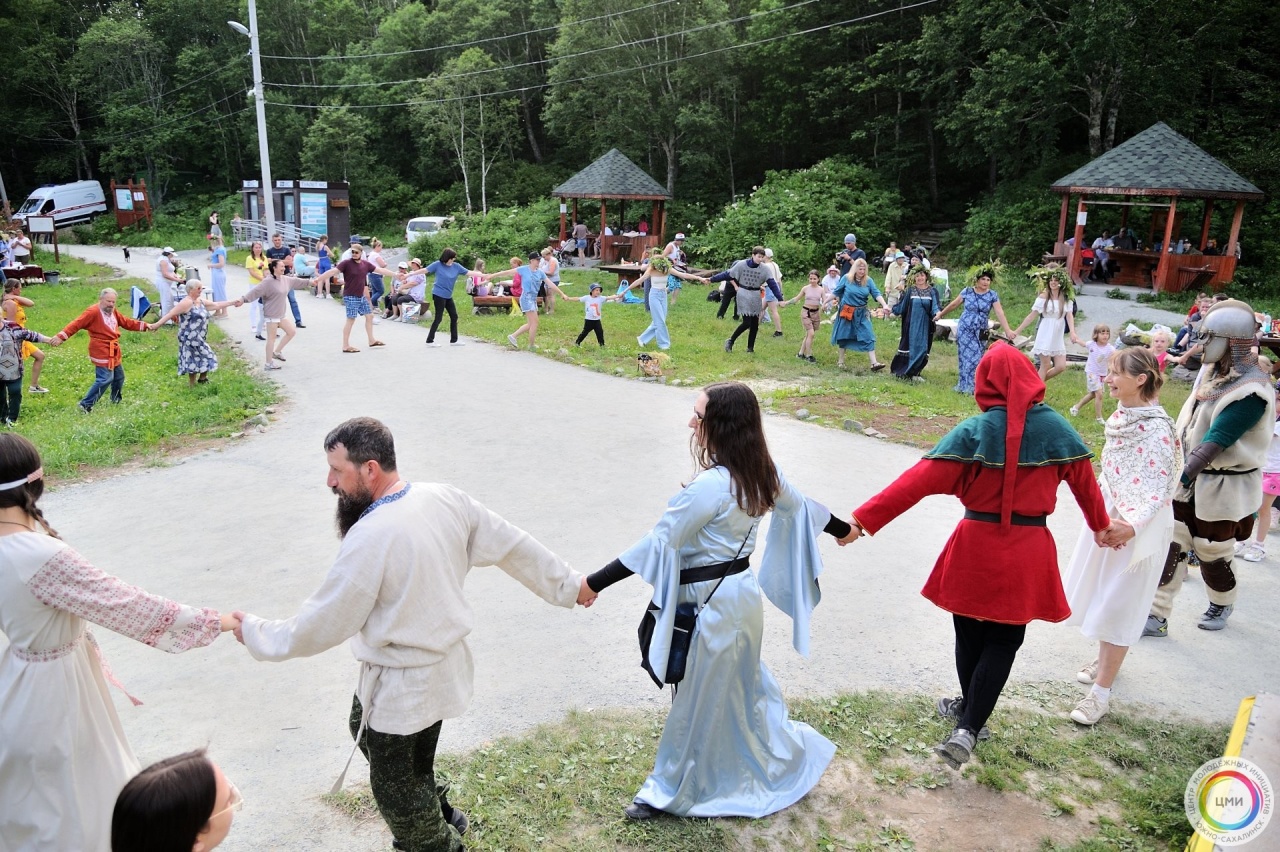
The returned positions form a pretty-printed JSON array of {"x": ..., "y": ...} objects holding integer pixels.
[
  {"x": 1090, "y": 710},
  {"x": 433, "y": 344},
  {"x": 1254, "y": 552},
  {"x": 458, "y": 343},
  {"x": 1074, "y": 411},
  {"x": 511, "y": 338},
  {"x": 1088, "y": 674},
  {"x": 377, "y": 320}
]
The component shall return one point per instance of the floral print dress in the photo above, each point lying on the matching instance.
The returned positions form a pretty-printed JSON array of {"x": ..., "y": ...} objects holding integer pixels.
[{"x": 194, "y": 353}]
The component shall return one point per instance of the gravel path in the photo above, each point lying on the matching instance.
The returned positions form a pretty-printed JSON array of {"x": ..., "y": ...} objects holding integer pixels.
[{"x": 586, "y": 463}]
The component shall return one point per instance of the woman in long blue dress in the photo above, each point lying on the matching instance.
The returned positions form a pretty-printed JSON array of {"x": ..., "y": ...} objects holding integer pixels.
[
  {"x": 917, "y": 307},
  {"x": 851, "y": 329},
  {"x": 728, "y": 748},
  {"x": 971, "y": 331}
]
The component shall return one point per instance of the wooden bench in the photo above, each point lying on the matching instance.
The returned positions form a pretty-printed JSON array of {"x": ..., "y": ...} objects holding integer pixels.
[
  {"x": 486, "y": 304},
  {"x": 1194, "y": 278}
]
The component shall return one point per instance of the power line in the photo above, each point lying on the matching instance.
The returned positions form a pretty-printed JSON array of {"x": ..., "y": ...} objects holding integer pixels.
[
  {"x": 626, "y": 70},
  {"x": 620, "y": 46},
  {"x": 477, "y": 41}
]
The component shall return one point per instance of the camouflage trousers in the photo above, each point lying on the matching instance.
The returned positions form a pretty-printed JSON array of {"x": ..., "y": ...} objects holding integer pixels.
[{"x": 403, "y": 777}]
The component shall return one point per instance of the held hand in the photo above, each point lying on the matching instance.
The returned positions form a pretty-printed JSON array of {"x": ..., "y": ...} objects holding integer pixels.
[
  {"x": 230, "y": 622},
  {"x": 1076, "y": 340},
  {"x": 239, "y": 626},
  {"x": 937, "y": 316},
  {"x": 855, "y": 533},
  {"x": 586, "y": 597}
]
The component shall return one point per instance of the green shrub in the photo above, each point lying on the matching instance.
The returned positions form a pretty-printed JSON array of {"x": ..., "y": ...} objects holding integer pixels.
[
  {"x": 803, "y": 216},
  {"x": 504, "y": 232},
  {"x": 1017, "y": 224}
]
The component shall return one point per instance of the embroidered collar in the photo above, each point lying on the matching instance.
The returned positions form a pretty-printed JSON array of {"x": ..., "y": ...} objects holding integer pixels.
[{"x": 390, "y": 498}]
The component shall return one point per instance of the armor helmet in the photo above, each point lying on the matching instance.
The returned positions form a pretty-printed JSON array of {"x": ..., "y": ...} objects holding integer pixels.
[{"x": 1224, "y": 323}]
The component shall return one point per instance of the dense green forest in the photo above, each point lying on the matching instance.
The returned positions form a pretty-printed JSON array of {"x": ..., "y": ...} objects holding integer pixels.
[{"x": 936, "y": 111}]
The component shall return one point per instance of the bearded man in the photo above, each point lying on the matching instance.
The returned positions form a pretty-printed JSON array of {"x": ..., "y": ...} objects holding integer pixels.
[
  {"x": 395, "y": 590},
  {"x": 1225, "y": 428}
]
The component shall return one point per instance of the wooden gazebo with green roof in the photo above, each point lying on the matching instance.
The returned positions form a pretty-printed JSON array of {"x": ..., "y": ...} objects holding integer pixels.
[
  {"x": 614, "y": 177},
  {"x": 1158, "y": 163}
]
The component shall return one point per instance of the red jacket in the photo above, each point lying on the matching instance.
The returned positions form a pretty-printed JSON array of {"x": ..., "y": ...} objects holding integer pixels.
[
  {"x": 104, "y": 341},
  {"x": 987, "y": 571}
]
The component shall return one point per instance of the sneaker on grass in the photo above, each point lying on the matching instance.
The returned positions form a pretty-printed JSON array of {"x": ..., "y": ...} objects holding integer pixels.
[{"x": 1090, "y": 709}]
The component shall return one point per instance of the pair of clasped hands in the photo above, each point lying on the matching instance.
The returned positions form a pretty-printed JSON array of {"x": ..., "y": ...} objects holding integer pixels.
[{"x": 1115, "y": 536}]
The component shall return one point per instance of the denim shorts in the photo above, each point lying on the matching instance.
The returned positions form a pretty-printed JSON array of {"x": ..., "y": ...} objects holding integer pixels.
[{"x": 357, "y": 306}]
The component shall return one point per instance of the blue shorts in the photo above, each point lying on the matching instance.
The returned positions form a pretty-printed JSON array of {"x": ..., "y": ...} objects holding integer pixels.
[
  {"x": 582, "y": 244},
  {"x": 357, "y": 306},
  {"x": 528, "y": 300}
]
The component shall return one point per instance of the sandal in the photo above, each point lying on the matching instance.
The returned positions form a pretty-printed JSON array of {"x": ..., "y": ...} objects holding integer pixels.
[
  {"x": 377, "y": 343},
  {"x": 350, "y": 349},
  {"x": 875, "y": 368}
]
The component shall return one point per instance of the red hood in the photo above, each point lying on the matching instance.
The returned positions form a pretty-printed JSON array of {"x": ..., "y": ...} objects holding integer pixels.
[{"x": 1006, "y": 377}]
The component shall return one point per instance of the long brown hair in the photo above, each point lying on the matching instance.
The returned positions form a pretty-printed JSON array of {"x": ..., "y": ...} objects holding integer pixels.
[
  {"x": 733, "y": 437},
  {"x": 19, "y": 458}
]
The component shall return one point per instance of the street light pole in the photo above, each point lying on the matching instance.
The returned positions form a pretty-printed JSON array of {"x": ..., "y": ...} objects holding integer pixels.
[{"x": 268, "y": 189}]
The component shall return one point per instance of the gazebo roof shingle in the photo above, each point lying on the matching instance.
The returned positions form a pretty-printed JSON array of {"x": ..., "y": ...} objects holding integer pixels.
[
  {"x": 612, "y": 176},
  {"x": 1159, "y": 161}
]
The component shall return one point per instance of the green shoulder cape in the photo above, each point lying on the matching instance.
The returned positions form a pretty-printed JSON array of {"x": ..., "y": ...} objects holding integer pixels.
[{"x": 1048, "y": 439}]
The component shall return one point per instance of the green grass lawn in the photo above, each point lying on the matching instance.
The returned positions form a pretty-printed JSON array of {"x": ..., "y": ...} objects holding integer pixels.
[
  {"x": 917, "y": 414},
  {"x": 1119, "y": 785},
  {"x": 159, "y": 413}
]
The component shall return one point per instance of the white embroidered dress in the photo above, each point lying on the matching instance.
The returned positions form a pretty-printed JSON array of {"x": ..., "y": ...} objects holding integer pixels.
[
  {"x": 63, "y": 753},
  {"x": 1110, "y": 591}
]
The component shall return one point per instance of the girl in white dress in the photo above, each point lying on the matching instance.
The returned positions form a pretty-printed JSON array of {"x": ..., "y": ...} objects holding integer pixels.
[
  {"x": 1054, "y": 308},
  {"x": 63, "y": 753},
  {"x": 1110, "y": 582}
]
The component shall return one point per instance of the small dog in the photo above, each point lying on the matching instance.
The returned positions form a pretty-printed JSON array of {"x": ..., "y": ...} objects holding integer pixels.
[{"x": 126, "y": 254}]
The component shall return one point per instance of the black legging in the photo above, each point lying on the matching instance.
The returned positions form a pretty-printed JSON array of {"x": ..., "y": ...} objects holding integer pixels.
[
  {"x": 729, "y": 296},
  {"x": 589, "y": 326},
  {"x": 441, "y": 305},
  {"x": 985, "y": 651},
  {"x": 750, "y": 324}
]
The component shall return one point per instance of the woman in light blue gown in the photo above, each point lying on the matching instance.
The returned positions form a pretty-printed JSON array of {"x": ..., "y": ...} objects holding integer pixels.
[{"x": 728, "y": 748}]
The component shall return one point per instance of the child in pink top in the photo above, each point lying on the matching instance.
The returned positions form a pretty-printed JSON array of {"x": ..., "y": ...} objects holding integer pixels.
[{"x": 1095, "y": 368}]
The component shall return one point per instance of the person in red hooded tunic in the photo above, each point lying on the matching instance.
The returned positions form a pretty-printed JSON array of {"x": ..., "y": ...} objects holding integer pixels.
[{"x": 999, "y": 569}]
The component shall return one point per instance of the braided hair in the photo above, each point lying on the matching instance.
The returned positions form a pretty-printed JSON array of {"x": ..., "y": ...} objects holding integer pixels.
[{"x": 19, "y": 458}]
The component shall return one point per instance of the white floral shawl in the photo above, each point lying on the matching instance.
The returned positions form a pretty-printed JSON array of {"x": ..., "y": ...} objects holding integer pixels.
[{"x": 1141, "y": 463}]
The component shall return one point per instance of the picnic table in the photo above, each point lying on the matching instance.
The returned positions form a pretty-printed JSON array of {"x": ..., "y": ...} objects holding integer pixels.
[{"x": 25, "y": 273}]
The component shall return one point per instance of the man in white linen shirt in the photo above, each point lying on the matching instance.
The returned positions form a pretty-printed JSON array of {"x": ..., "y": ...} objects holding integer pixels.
[{"x": 396, "y": 591}]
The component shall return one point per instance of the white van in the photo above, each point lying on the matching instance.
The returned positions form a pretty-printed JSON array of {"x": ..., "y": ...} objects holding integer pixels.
[
  {"x": 67, "y": 203},
  {"x": 424, "y": 226}
]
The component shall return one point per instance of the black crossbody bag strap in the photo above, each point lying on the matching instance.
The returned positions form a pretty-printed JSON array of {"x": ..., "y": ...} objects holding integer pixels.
[{"x": 729, "y": 564}]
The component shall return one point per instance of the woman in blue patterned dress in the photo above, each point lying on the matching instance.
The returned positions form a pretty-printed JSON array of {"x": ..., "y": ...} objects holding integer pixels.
[
  {"x": 851, "y": 328},
  {"x": 196, "y": 359},
  {"x": 971, "y": 331}
]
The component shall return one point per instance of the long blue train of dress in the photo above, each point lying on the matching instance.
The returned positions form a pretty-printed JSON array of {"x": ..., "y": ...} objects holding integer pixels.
[{"x": 728, "y": 748}]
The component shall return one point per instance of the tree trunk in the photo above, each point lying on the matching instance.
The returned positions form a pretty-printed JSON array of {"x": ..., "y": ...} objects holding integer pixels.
[
  {"x": 526, "y": 112},
  {"x": 670, "y": 147},
  {"x": 933, "y": 160},
  {"x": 1095, "y": 94}
]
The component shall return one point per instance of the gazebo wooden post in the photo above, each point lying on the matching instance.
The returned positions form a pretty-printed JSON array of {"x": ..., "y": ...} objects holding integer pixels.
[
  {"x": 1162, "y": 267},
  {"x": 1204, "y": 226},
  {"x": 1124, "y": 218},
  {"x": 604, "y": 222},
  {"x": 1062, "y": 219},
  {"x": 1073, "y": 258},
  {"x": 562, "y": 206},
  {"x": 1235, "y": 230},
  {"x": 655, "y": 221}
]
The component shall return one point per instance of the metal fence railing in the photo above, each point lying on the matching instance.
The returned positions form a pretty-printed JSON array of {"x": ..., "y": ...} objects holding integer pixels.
[{"x": 245, "y": 233}]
